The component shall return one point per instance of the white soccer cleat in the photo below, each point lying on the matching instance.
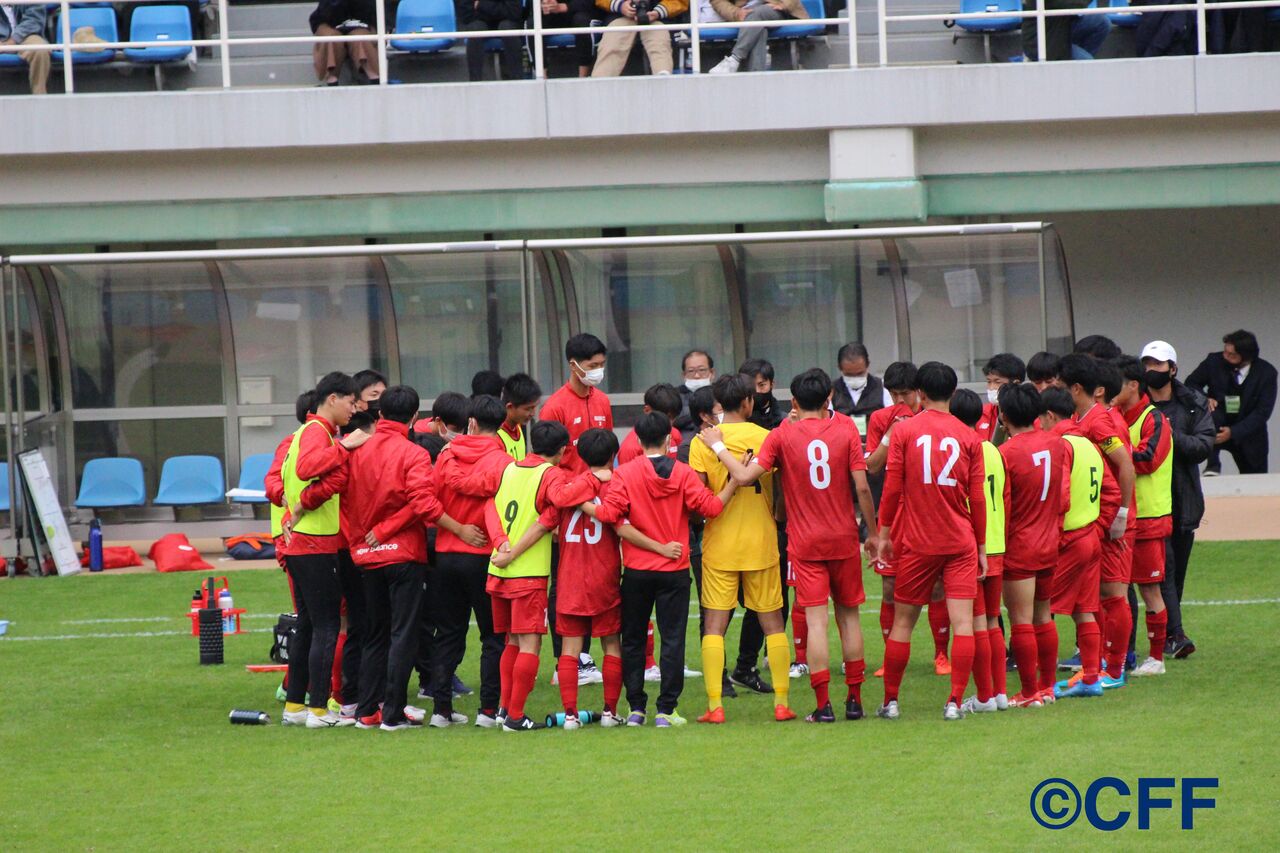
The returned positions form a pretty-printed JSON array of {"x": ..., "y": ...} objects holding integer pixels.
[
  {"x": 417, "y": 715},
  {"x": 728, "y": 65},
  {"x": 889, "y": 710},
  {"x": 952, "y": 712},
  {"x": 653, "y": 674},
  {"x": 484, "y": 721},
  {"x": 691, "y": 673},
  {"x": 440, "y": 721},
  {"x": 973, "y": 706},
  {"x": 799, "y": 670},
  {"x": 609, "y": 720},
  {"x": 1150, "y": 666},
  {"x": 1002, "y": 701},
  {"x": 295, "y": 718},
  {"x": 327, "y": 720},
  {"x": 572, "y": 724}
]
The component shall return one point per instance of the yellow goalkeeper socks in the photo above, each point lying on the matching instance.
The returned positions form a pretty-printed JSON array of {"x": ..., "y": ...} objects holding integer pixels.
[
  {"x": 713, "y": 668},
  {"x": 779, "y": 651},
  {"x": 293, "y": 707}
]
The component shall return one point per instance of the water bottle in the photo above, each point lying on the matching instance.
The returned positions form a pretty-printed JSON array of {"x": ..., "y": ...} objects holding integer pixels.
[
  {"x": 225, "y": 604},
  {"x": 249, "y": 718},
  {"x": 556, "y": 721},
  {"x": 95, "y": 546}
]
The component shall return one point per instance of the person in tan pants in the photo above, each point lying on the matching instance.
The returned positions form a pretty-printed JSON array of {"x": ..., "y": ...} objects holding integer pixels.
[
  {"x": 22, "y": 25},
  {"x": 345, "y": 17},
  {"x": 615, "y": 47}
]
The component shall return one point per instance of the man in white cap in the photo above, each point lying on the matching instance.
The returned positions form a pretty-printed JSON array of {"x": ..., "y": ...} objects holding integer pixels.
[{"x": 1187, "y": 411}]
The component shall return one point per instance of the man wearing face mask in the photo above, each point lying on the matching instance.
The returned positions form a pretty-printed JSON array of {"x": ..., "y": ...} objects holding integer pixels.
[
  {"x": 1187, "y": 411},
  {"x": 371, "y": 384},
  {"x": 1001, "y": 369},
  {"x": 858, "y": 393},
  {"x": 579, "y": 404},
  {"x": 765, "y": 412},
  {"x": 699, "y": 370}
]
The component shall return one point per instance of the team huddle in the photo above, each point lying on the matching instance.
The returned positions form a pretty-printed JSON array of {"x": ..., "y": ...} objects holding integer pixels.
[{"x": 1052, "y": 496}]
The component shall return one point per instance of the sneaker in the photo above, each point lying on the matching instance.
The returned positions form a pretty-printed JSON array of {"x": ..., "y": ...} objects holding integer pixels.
[
  {"x": 521, "y": 724},
  {"x": 666, "y": 721},
  {"x": 781, "y": 713},
  {"x": 1109, "y": 683},
  {"x": 799, "y": 670},
  {"x": 1079, "y": 689},
  {"x": 1002, "y": 701},
  {"x": 751, "y": 680},
  {"x": 888, "y": 711},
  {"x": 572, "y": 724},
  {"x": 728, "y": 65},
  {"x": 952, "y": 712},
  {"x": 1180, "y": 648},
  {"x": 460, "y": 688},
  {"x": 691, "y": 673},
  {"x": 635, "y": 719},
  {"x": 1021, "y": 701},
  {"x": 485, "y": 721},
  {"x": 853, "y": 710},
  {"x": 348, "y": 710},
  {"x": 973, "y": 706},
  {"x": 1071, "y": 664},
  {"x": 370, "y": 722},
  {"x": 443, "y": 721},
  {"x": 555, "y": 678},
  {"x": 726, "y": 688},
  {"x": 281, "y": 695},
  {"x": 609, "y": 720},
  {"x": 423, "y": 693},
  {"x": 1211, "y": 472},
  {"x": 334, "y": 707},
  {"x": 588, "y": 672},
  {"x": 417, "y": 716},
  {"x": 715, "y": 715},
  {"x": 941, "y": 666},
  {"x": 327, "y": 720},
  {"x": 501, "y": 716},
  {"x": 1010, "y": 665},
  {"x": 406, "y": 723},
  {"x": 295, "y": 718},
  {"x": 653, "y": 674},
  {"x": 1130, "y": 661},
  {"x": 821, "y": 715},
  {"x": 1150, "y": 666}
]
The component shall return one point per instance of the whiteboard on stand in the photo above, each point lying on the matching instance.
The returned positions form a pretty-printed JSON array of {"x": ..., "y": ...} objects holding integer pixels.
[{"x": 53, "y": 524}]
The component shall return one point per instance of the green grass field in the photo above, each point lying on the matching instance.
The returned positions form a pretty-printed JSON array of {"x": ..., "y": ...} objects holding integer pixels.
[{"x": 115, "y": 738}]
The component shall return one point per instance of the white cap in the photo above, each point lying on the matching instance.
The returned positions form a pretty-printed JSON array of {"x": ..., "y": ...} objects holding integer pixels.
[{"x": 1160, "y": 351}]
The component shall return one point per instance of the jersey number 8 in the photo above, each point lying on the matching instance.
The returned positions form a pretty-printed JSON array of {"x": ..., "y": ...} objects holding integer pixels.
[{"x": 819, "y": 464}]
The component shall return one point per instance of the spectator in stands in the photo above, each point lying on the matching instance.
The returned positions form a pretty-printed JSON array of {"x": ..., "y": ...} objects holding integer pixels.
[
  {"x": 1066, "y": 37},
  {"x": 1242, "y": 395},
  {"x": 23, "y": 25},
  {"x": 345, "y": 18},
  {"x": 751, "y": 48},
  {"x": 479, "y": 15},
  {"x": 615, "y": 47},
  {"x": 575, "y": 13}
]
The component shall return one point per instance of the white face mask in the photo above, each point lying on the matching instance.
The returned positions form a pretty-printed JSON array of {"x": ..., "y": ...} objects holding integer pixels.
[
  {"x": 993, "y": 395},
  {"x": 450, "y": 435},
  {"x": 855, "y": 383},
  {"x": 695, "y": 384},
  {"x": 591, "y": 377},
  {"x": 719, "y": 417}
]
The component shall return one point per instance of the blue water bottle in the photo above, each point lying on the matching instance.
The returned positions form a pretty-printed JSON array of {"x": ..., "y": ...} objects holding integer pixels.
[{"x": 95, "y": 546}]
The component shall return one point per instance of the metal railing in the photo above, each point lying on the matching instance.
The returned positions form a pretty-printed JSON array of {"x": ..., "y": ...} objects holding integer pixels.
[{"x": 224, "y": 43}]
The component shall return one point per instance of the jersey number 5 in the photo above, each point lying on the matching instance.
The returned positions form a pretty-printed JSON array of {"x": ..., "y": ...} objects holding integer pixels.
[{"x": 947, "y": 445}]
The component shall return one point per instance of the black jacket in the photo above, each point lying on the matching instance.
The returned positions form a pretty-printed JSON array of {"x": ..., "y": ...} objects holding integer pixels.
[
  {"x": 488, "y": 10},
  {"x": 684, "y": 421},
  {"x": 1257, "y": 395},
  {"x": 769, "y": 415},
  {"x": 871, "y": 399},
  {"x": 1193, "y": 430}
]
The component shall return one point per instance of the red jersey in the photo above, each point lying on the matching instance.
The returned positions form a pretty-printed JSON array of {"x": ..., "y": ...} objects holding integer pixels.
[
  {"x": 815, "y": 457},
  {"x": 631, "y": 448},
  {"x": 557, "y": 490},
  {"x": 1153, "y": 448},
  {"x": 880, "y": 421},
  {"x": 934, "y": 483},
  {"x": 1039, "y": 495},
  {"x": 578, "y": 414},
  {"x": 590, "y": 568},
  {"x": 987, "y": 424},
  {"x": 273, "y": 482},
  {"x": 658, "y": 506},
  {"x": 318, "y": 454},
  {"x": 459, "y": 459}
]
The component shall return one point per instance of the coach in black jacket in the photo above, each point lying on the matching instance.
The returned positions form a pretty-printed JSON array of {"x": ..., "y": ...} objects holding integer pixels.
[
  {"x": 1187, "y": 411},
  {"x": 1242, "y": 394},
  {"x": 856, "y": 380}
]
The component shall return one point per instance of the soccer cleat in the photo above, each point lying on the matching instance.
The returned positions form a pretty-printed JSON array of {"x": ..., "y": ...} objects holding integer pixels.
[
  {"x": 501, "y": 716},
  {"x": 370, "y": 722},
  {"x": 751, "y": 680},
  {"x": 555, "y": 677},
  {"x": 327, "y": 720},
  {"x": 781, "y": 713},
  {"x": 1010, "y": 663},
  {"x": 799, "y": 670},
  {"x": 728, "y": 65},
  {"x": 417, "y": 715},
  {"x": 295, "y": 718},
  {"x": 1071, "y": 664},
  {"x": 821, "y": 715},
  {"x": 1109, "y": 683},
  {"x": 281, "y": 695},
  {"x": 609, "y": 720},
  {"x": 334, "y": 707},
  {"x": 666, "y": 721},
  {"x": 952, "y": 712},
  {"x": 460, "y": 688},
  {"x": 1079, "y": 689},
  {"x": 691, "y": 673},
  {"x": 879, "y": 673},
  {"x": 726, "y": 688},
  {"x": 653, "y": 674},
  {"x": 588, "y": 672},
  {"x": 941, "y": 666},
  {"x": 572, "y": 724},
  {"x": 1130, "y": 661},
  {"x": 973, "y": 706},
  {"x": 1021, "y": 701},
  {"x": 715, "y": 715},
  {"x": 521, "y": 724},
  {"x": 485, "y": 721},
  {"x": 1046, "y": 696},
  {"x": 853, "y": 710},
  {"x": 635, "y": 719},
  {"x": 888, "y": 711},
  {"x": 441, "y": 721},
  {"x": 1150, "y": 666},
  {"x": 1002, "y": 702}
]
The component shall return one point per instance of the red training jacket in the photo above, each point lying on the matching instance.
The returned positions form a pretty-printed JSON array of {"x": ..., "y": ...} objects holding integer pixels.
[{"x": 460, "y": 458}]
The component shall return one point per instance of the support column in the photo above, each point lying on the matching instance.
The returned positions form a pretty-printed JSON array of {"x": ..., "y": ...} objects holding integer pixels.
[{"x": 874, "y": 177}]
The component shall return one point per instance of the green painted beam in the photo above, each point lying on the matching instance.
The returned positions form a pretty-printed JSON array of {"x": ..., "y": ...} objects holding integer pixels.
[{"x": 875, "y": 201}]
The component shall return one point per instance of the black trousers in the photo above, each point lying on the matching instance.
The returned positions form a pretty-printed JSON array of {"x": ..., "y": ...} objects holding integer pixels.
[
  {"x": 667, "y": 593},
  {"x": 512, "y": 62},
  {"x": 426, "y": 627},
  {"x": 319, "y": 595},
  {"x": 455, "y": 591},
  {"x": 580, "y": 14},
  {"x": 1177, "y": 555},
  {"x": 394, "y": 595},
  {"x": 357, "y": 626}
]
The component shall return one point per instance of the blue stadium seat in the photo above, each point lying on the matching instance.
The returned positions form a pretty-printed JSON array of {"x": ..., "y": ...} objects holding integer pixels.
[
  {"x": 989, "y": 25},
  {"x": 159, "y": 23},
  {"x": 10, "y": 60},
  {"x": 111, "y": 482},
  {"x": 802, "y": 29},
  {"x": 190, "y": 480},
  {"x": 253, "y": 475},
  {"x": 4, "y": 486},
  {"x": 103, "y": 21},
  {"x": 1128, "y": 20},
  {"x": 425, "y": 16}
]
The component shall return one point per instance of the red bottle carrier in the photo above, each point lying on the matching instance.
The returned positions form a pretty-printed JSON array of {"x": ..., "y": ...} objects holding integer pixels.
[{"x": 209, "y": 598}]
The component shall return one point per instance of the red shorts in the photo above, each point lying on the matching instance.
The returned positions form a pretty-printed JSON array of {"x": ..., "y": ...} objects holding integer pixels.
[
  {"x": 1075, "y": 583},
  {"x": 819, "y": 580},
  {"x": 525, "y": 613},
  {"x": 987, "y": 602},
  {"x": 1148, "y": 561},
  {"x": 600, "y": 625},
  {"x": 1117, "y": 563},
  {"x": 995, "y": 566},
  {"x": 918, "y": 573}
]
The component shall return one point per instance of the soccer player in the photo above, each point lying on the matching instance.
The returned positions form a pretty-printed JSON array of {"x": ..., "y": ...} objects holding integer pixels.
[
  {"x": 520, "y": 395},
  {"x": 740, "y": 551},
  {"x": 1152, "y": 440},
  {"x": 1082, "y": 376},
  {"x": 1042, "y": 370},
  {"x": 661, "y": 398},
  {"x": 934, "y": 505},
  {"x": 821, "y": 464},
  {"x": 1034, "y": 461},
  {"x": 656, "y": 494},
  {"x": 1003, "y": 368},
  {"x": 989, "y": 676},
  {"x": 579, "y": 404}
]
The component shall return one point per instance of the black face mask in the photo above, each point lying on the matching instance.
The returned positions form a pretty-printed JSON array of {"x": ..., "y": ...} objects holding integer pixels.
[
  {"x": 1158, "y": 379},
  {"x": 763, "y": 401},
  {"x": 375, "y": 408}
]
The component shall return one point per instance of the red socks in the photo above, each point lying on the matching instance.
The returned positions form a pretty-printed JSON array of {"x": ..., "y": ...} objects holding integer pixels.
[
  {"x": 1047, "y": 650},
  {"x": 335, "y": 677},
  {"x": 649, "y": 662},
  {"x": 612, "y": 682},
  {"x": 1116, "y": 640},
  {"x": 1157, "y": 629},
  {"x": 506, "y": 669},
  {"x": 855, "y": 672},
  {"x": 962, "y": 654},
  {"x": 523, "y": 675},
  {"x": 896, "y": 655},
  {"x": 999, "y": 661},
  {"x": 940, "y": 625},
  {"x": 981, "y": 664},
  {"x": 567, "y": 672},
  {"x": 1089, "y": 639},
  {"x": 1025, "y": 653},
  {"x": 886, "y": 618},
  {"x": 800, "y": 631},
  {"x": 820, "y": 682}
]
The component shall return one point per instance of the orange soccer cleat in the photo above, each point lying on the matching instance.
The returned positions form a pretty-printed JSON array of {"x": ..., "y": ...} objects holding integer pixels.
[
  {"x": 941, "y": 665},
  {"x": 715, "y": 715},
  {"x": 782, "y": 713}
]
